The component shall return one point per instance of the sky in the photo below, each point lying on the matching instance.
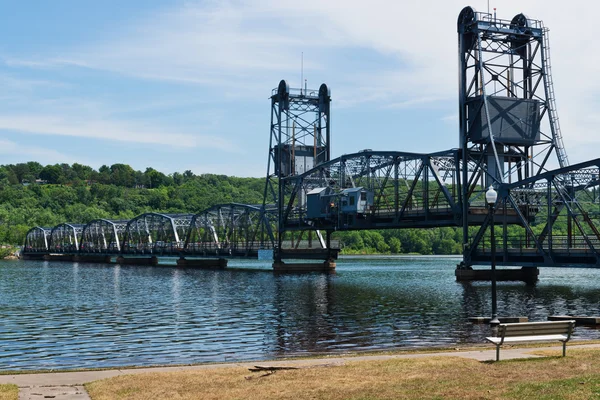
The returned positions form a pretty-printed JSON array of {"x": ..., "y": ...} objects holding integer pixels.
[{"x": 184, "y": 85}]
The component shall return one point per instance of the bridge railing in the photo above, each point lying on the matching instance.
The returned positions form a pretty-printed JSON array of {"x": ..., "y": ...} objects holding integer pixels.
[{"x": 559, "y": 242}]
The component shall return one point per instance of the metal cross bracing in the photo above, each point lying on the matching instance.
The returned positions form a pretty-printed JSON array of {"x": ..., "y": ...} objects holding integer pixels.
[
  {"x": 102, "y": 236},
  {"x": 300, "y": 140},
  {"x": 157, "y": 234},
  {"x": 398, "y": 189},
  {"x": 505, "y": 68},
  {"x": 234, "y": 230},
  {"x": 64, "y": 238},
  {"x": 507, "y": 111},
  {"x": 559, "y": 221},
  {"x": 37, "y": 240},
  {"x": 227, "y": 230}
]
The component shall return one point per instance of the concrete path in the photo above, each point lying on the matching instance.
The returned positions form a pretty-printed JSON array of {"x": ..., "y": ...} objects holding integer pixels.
[
  {"x": 69, "y": 385},
  {"x": 53, "y": 392}
]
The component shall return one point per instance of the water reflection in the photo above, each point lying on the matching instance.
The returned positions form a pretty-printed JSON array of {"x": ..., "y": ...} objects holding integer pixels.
[{"x": 66, "y": 315}]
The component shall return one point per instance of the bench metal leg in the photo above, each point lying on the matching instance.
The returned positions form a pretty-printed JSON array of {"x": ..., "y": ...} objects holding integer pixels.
[
  {"x": 564, "y": 349},
  {"x": 497, "y": 352}
]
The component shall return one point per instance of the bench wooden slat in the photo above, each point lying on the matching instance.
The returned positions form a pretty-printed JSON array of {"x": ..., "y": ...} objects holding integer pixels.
[
  {"x": 532, "y": 331},
  {"x": 513, "y": 339},
  {"x": 524, "y": 331}
]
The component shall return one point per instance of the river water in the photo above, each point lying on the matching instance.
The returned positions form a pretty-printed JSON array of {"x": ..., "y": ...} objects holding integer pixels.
[{"x": 74, "y": 315}]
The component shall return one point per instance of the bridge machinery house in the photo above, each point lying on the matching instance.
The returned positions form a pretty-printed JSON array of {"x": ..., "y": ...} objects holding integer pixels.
[{"x": 347, "y": 206}]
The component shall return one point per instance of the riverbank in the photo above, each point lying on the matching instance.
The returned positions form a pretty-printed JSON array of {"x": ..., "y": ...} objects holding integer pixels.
[
  {"x": 8, "y": 252},
  {"x": 524, "y": 373}
]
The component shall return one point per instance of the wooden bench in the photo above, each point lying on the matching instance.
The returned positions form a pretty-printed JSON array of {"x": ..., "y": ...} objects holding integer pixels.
[{"x": 533, "y": 332}]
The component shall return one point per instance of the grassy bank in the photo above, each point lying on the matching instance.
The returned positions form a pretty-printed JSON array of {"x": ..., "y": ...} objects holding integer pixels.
[
  {"x": 7, "y": 251},
  {"x": 9, "y": 392},
  {"x": 575, "y": 377}
]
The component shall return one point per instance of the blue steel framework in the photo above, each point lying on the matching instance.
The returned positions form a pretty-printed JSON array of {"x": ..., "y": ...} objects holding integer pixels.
[
  {"x": 546, "y": 204},
  {"x": 154, "y": 233},
  {"x": 102, "y": 236},
  {"x": 231, "y": 230},
  {"x": 300, "y": 140},
  {"x": 37, "y": 240},
  {"x": 508, "y": 132},
  {"x": 64, "y": 238}
]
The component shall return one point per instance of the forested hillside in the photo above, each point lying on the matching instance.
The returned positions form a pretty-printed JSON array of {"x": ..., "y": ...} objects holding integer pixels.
[{"x": 32, "y": 194}]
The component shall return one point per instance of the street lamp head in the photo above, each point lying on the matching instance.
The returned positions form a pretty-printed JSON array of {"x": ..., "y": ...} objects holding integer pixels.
[{"x": 491, "y": 196}]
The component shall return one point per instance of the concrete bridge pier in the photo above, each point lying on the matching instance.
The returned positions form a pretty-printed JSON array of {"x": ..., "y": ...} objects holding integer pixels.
[
  {"x": 208, "y": 263},
  {"x": 525, "y": 274},
  {"x": 59, "y": 257},
  {"x": 137, "y": 260},
  {"x": 32, "y": 256},
  {"x": 325, "y": 266},
  {"x": 92, "y": 259}
]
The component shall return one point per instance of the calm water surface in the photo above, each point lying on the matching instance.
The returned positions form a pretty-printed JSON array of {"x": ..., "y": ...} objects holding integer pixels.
[{"x": 66, "y": 315}]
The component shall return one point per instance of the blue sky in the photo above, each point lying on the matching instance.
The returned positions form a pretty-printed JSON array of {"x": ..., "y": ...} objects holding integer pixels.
[{"x": 181, "y": 85}]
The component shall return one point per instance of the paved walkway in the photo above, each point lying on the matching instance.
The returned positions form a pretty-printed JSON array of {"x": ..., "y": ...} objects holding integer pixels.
[{"x": 69, "y": 385}]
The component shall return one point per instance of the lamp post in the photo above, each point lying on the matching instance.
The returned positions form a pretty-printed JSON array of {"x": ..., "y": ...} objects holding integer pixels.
[{"x": 490, "y": 197}]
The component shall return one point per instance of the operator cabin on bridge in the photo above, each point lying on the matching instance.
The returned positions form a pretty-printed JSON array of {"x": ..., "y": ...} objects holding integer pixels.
[{"x": 349, "y": 205}]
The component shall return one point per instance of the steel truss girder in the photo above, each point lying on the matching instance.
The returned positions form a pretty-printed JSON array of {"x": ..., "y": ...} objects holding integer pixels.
[
  {"x": 157, "y": 234},
  {"x": 410, "y": 189},
  {"x": 231, "y": 230},
  {"x": 64, "y": 238},
  {"x": 565, "y": 198},
  {"x": 37, "y": 240},
  {"x": 102, "y": 236}
]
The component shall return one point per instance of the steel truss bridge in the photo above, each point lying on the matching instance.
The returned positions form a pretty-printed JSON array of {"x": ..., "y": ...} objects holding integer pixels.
[
  {"x": 552, "y": 219},
  {"x": 509, "y": 139}
]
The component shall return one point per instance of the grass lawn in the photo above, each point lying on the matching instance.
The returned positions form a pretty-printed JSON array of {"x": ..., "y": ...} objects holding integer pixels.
[
  {"x": 575, "y": 377},
  {"x": 9, "y": 392}
]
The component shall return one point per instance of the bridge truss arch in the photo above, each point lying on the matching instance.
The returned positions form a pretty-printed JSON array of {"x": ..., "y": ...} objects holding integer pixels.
[
  {"x": 102, "y": 236},
  {"x": 37, "y": 240},
  {"x": 155, "y": 233},
  {"x": 232, "y": 230},
  {"x": 65, "y": 238}
]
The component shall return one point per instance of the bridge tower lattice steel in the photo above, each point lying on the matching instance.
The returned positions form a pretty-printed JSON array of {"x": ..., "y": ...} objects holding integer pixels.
[
  {"x": 508, "y": 121},
  {"x": 300, "y": 140}
]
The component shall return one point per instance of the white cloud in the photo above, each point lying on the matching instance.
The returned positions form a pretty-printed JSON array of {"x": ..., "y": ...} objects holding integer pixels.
[
  {"x": 243, "y": 48},
  {"x": 107, "y": 130},
  {"x": 42, "y": 155}
]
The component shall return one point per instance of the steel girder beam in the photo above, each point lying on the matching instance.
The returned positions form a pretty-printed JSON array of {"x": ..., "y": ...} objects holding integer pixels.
[
  {"x": 559, "y": 221},
  {"x": 231, "y": 230}
]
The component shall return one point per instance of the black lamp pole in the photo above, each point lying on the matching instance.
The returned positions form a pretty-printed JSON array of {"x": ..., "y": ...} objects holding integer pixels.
[{"x": 491, "y": 197}]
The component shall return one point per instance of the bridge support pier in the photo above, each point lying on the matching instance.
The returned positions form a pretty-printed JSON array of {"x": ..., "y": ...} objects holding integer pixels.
[
  {"x": 137, "y": 260},
  {"x": 59, "y": 257},
  {"x": 325, "y": 266},
  {"x": 525, "y": 274},
  {"x": 32, "y": 256},
  {"x": 212, "y": 263},
  {"x": 92, "y": 259}
]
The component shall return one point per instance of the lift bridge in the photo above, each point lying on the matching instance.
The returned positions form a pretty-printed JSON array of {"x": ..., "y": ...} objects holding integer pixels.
[{"x": 547, "y": 212}]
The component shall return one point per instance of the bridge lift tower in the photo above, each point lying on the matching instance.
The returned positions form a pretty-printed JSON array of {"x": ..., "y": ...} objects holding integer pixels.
[
  {"x": 509, "y": 129},
  {"x": 300, "y": 140}
]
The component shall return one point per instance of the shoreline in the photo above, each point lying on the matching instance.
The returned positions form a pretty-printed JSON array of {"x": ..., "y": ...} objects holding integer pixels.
[
  {"x": 481, "y": 354},
  {"x": 395, "y": 353}
]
